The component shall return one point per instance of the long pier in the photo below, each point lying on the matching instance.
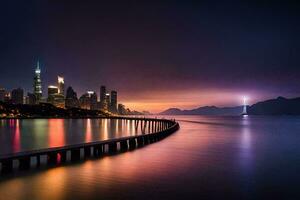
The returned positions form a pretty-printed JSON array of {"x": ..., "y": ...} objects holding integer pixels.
[{"x": 157, "y": 129}]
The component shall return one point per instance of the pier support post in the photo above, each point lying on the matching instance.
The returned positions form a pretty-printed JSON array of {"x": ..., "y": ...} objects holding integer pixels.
[
  {"x": 75, "y": 154},
  {"x": 132, "y": 144},
  {"x": 38, "y": 160},
  {"x": 24, "y": 163},
  {"x": 146, "y": 139},
  {"x": 52, "y": 158},
  {"x": 7, "y": 166},
  {"x": 123, "y": 145},
  {"x": 63, "y": 156},
  {"x": 98, "y": 150},
  {"x": 140, "y": 141},
  {"x": 87, "y": 152},
  {"x": 112, "y": 147}
]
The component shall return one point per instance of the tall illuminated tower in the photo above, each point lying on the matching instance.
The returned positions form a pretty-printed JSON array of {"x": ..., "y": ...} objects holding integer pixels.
[
  {"x": 61, "y": 85},
  {"x": 245, "y": 106},
  {"x": 37, "y": 84}
]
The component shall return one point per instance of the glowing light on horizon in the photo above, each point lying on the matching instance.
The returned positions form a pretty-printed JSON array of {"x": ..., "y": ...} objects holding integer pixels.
[
  {"x": 245, "y": 105},
  {"x": 245, "y": 100}
]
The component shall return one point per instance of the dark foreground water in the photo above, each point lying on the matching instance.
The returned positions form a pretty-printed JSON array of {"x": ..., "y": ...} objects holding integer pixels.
[{"x": 208, "y": 158}]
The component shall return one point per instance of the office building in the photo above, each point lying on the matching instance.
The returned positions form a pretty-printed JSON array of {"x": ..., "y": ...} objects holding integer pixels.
[
  {"x": 121, "y": 109},
  {"x": 30, "y": 99},
  {"x": 94, "y": 99},
  {"x": 103, "y": 105},
  {"x": 61, "y": 85},
  {"x": 17, "y": 96},
  {"x": 71, "y": 99},
  {"x": 102, "y": 93},
  {"x": 7, "y": 97},
  {"x": 54, "y": 97},
  {"x": 2, "y": 94},
  {"x": 37, "y": 85},
  {"x": 89, "y": 101},
  {"x": 113, "y": 102}
]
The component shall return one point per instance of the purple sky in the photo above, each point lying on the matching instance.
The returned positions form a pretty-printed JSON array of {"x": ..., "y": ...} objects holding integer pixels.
[{"x": 156, "y": 55}]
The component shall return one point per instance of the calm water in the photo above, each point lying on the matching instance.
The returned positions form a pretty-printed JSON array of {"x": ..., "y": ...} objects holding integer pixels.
[
  {"x": 29, "y": 134},
  {"x": 209, "y": 157}
]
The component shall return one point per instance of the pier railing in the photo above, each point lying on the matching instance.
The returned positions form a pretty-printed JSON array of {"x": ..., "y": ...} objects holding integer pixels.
[{"x": 157, "y": 129}]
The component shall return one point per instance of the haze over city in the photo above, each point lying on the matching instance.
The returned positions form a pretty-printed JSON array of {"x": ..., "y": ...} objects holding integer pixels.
[{"x": 157, "y": 55}]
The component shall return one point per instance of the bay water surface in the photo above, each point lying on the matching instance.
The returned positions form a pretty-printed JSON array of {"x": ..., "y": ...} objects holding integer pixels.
[{"x": 254, "y": 157}]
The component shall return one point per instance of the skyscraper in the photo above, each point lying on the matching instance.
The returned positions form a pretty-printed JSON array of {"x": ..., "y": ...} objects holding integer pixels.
[
  {"x": 30, "y": 99},
  {"x": 52, "y": 90},
  {"x": 37, "y": 85},
  {"x": 71, "y": 98},
  {"x": 61, "y": 85},
  {"x": 7, "y": 97},
  {"x": 55, "y": 98},
  {"x": 88, "y": 100},
  {"x": 93, "y": 97},
  {"x": 102, "y": 93},
  {"x": 113, "y": 102},
  {"x": 2, "y": 94},
  {"x": 103, "y": 103},
  {"x": 121, "y": 109},
  {"x": 17, "y": 96},
  {"x": 106, "y": 102}
]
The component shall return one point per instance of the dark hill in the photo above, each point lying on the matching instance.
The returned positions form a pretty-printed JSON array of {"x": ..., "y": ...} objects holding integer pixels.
[{"x": 279, "y": 106}]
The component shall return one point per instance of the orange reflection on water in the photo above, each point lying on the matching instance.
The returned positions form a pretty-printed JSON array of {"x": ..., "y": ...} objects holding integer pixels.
[
  {"x": 56, "y": 132},
  {"x": 52, "y": 184},
  {"x": 88, "y": 131},
  {"x": 16, "y": 137},
  {"x": 104, "y": 129}
]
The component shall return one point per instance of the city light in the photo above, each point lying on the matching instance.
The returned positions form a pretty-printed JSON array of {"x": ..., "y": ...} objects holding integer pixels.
[
  {"x": 52, "y": 86},
  {"x": 245, "y": 100},
  {"x": 60, "y": 79}
]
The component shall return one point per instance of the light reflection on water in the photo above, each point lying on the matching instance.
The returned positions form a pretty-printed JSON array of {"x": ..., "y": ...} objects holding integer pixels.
[
  {"x": 28, "y": 134},
  {"x": 209, "y": 157}
]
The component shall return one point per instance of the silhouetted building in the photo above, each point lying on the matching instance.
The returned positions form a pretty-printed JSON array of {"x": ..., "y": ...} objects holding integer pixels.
[
  {"x": 30, "y": 99},
  {"x": 113, "y": 102},
  {"x": 55, "y": 98},
  {"x": 106, "y": 102},
  {"x": 37, "y": 85},
  {"x": 102, "y": 93},
  {"x": 2, "y": 94},
  {"x": 52, "y": 90},
  {"x": 94, "y": 105},
  {"x": 71, "y": 99},
  {"x": 17, "y": 96},
  {"x": 61, "y": 85},
  {"x": 85, "y": 102},
  {"x": 7, "y": 97},
  {"x": 89, "y": 101},
  {"x": 103, "y": 105},
  {"x": 121, "y": 109}
]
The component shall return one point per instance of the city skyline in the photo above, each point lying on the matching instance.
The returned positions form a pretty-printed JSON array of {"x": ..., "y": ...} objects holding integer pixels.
[
  {"x": 172, "y": 55},
  {"x": 61, "y": 98}
]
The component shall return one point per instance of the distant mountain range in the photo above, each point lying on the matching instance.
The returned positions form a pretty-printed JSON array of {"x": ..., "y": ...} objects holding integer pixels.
[
  {"x": 206, "y": 110},
  {"x": 278, "y": 106}
]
